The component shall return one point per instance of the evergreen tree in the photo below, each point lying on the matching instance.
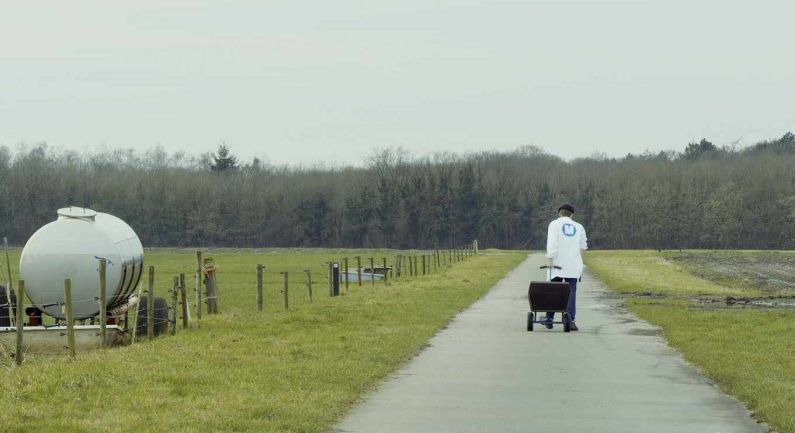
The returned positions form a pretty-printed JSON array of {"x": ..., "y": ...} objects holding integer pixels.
[{"x": 223, "y": 160}]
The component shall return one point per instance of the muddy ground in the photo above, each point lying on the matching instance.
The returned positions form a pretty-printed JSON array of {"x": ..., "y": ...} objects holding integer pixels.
[{"x": 771, "y": 272}]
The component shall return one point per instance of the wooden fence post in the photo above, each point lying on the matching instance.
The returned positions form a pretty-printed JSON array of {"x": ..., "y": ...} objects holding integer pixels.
[
  {"x": 8, "y": 268},
  {"x": 372, "y": 271},
  {"x": 395, "y": 268},
  {"x": 208, "y": 268},
  {"x": 259, "y": 288},
  {"x": 18, "y": 356},
  {"x": 347, "y": 275},
  {"x": 359, "y": 269},
  {"x": 198, "y": 285},
  {"x": 184, "y": 297},
  {"x": 150, "y": 305},
  {"x": 386, "y": 272},
  {"x": 70, "y": 320},
  {"x": 331, "y": 278},
  {"x": 285, "y": 291},
  {"x": 103, "y": 306},
  {"x": 309, "y": 283},
  {"x": 174, "y": 306}
]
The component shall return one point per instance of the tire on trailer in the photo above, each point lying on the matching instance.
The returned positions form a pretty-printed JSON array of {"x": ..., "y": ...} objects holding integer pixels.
[
  {"x": 566, "y": 322},
  {"x": 530, "y": 318},
  {"x": 160, "y": 317}
]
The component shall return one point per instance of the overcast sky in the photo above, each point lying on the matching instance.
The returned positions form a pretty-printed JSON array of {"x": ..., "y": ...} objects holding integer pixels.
[{"x": 300, "y": 82}]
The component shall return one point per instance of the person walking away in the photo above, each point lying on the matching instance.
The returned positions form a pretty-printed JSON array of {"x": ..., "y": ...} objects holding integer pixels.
[{"x": 565, "y": 241}]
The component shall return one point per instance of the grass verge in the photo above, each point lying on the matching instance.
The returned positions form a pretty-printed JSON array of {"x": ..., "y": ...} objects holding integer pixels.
[
  {"x": 244, "y": 371},
  {"x": 749, "y": 353},
  {"x": 650, "y": 273}
]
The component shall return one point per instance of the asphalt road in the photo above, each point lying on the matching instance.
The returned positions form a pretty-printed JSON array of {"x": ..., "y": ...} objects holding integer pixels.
[{"x": 486, "y": 373}]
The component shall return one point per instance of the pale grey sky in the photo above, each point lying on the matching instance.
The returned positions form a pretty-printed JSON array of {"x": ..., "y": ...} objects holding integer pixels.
[{"x": 299, "y": 82}]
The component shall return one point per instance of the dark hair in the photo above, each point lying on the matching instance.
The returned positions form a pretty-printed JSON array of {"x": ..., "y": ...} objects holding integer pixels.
[{"x": 566, "y": 210}]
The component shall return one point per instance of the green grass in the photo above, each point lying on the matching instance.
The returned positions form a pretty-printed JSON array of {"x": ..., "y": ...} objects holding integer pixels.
[
  {"x": 244, "y": 371},
  {"x": 650, "y": 273},
  {"x": 749, "y": 353}
]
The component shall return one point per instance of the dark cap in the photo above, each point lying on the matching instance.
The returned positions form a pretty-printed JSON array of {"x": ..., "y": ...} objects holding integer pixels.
[{"x": 567, "y": 207}]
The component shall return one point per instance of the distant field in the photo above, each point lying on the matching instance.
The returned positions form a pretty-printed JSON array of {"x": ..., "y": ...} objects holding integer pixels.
[
  {"x": 748, "y": 351},
  {"x": 769, "y": 273},
  {"x": 642, "y": 272},
  {"x": 246, "y": 371}
]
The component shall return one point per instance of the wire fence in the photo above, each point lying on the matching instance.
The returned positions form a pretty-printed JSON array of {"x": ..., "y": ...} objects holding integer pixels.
[{"x": 160, "y": 303}]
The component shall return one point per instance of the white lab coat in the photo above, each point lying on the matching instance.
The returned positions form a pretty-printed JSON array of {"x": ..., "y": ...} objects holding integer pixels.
[{"x": 565, "y": 239}]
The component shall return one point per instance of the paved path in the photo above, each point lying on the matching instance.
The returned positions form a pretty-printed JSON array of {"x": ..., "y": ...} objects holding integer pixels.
[{"x": 486, "y": 373}]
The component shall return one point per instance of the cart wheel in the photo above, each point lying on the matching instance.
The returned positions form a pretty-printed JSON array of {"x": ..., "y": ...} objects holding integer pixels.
[
  {"x": 530, "y": 318},
  {"x": 566, "y": 322}
]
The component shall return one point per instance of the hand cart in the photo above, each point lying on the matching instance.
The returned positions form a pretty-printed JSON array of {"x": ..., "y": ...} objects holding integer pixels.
[{"x": 548, "y": 297}]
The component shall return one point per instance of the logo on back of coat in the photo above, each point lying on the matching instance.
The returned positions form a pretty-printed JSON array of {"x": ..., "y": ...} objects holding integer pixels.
[{"x": 569, "y": 230}]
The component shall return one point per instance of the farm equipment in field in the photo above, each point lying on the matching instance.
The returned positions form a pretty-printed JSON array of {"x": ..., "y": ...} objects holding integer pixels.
[{"x": 61, "y": 266}]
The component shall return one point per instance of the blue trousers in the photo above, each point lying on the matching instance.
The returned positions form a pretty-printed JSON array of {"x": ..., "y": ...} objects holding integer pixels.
[{"x": 571, "y": 308}]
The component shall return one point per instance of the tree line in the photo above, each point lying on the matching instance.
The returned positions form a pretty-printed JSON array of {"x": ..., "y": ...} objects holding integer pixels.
[{"x": 702, "y": 197}]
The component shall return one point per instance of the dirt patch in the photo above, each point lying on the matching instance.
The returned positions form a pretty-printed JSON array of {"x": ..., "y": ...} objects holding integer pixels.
[
  {"x": 625, "y": 295},
  {"x": 731, "y": 302},
  {"x": 771, "y": 272}
]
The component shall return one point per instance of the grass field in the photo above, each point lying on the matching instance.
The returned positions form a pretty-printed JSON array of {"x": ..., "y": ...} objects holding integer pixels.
[
  {"x": 768, "y": 273},
  {"x": 749, "y": 352},
  {"x": 245, "y": 371},
  {"x": 651, "y": 273}
]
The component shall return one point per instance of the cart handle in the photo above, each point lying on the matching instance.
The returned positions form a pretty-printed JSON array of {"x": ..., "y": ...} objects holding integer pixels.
[{"x": 547, "y": 267}]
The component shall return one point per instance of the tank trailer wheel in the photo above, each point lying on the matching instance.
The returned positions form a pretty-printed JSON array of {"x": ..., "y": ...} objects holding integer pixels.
[{"x": 160, "y": 317}]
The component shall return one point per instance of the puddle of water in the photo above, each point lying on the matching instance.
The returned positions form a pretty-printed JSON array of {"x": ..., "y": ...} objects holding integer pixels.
[
  {"x": 731, "y": 302},
  {"x": 777, "y": 282}
]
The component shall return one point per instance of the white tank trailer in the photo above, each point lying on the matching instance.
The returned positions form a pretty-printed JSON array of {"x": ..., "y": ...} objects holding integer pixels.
[{"x": 71, "y": 247}]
